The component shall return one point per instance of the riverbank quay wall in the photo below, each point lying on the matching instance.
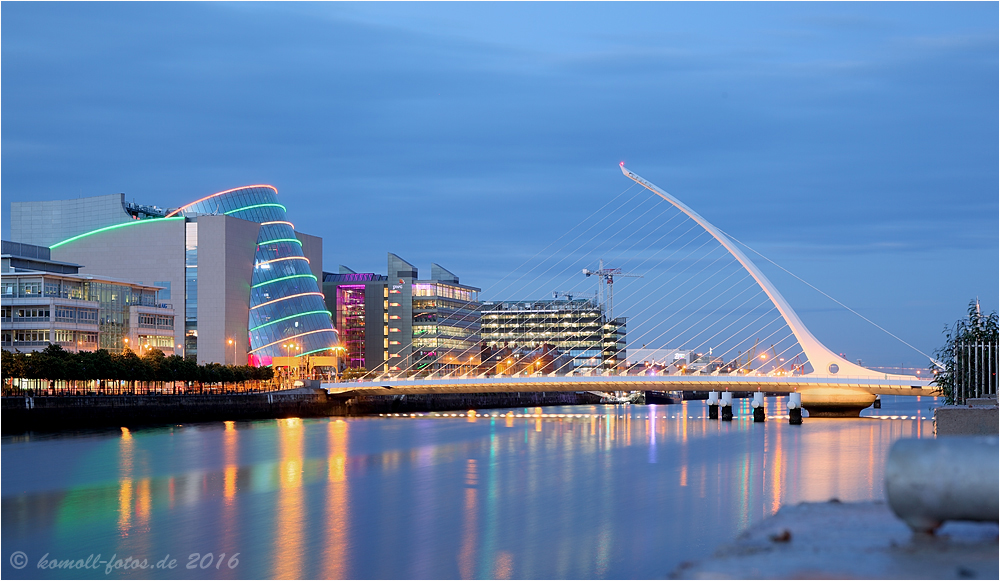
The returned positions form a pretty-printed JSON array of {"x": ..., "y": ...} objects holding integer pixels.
[{"x": 56, "y": 413}]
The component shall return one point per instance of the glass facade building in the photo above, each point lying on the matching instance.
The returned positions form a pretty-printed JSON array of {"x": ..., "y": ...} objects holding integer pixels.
[
  {"x": 399, "y": 324},
  {"x": 286, "y": 305},
  {"x": 576, "y": 327},
  {"x": 82, "y": 313},
  {"x": 445, "y": 326}
]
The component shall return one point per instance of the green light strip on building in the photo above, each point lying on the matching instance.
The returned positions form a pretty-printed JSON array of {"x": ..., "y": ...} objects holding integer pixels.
[
  {"x": 275, "y": 241},
  {"x": 316, "y": 350},
  {"x": 107, "y": 228},
  {"x": 256, "y": 206},
  {"x": 329, "y": 314},
  {"x": 260, "y": 284}
]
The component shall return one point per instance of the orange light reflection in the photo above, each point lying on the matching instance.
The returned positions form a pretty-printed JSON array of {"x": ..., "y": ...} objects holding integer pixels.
[
  {"x": 289, "y": 546},
  {"x": 125, "y": 453},
  {"x": 338, "y": 508}
]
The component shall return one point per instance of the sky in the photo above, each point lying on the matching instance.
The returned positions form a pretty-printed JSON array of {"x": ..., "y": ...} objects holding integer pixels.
[{"x": 855, "y": 144}]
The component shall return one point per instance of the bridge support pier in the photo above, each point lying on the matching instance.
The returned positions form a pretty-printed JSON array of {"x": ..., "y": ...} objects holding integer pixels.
[
  {"x": 727, "y": 406},
  {"x": 877, "y": 404},
  {"x": 713, "y": 405},
  {"x": 758, "y": 407},
  {"x": 795, "y": 409}
]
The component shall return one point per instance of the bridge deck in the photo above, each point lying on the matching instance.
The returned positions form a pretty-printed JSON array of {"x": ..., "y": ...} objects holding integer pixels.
[{"x": 780, "y": 384}]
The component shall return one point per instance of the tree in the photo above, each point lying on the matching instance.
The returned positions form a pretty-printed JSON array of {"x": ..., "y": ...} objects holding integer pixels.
[
  {"x": 956, "y": 360},
  {"x": 11, "y": 366}
]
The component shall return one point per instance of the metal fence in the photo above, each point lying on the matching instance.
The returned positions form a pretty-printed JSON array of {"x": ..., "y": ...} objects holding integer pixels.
[{"x": 975, "y": 370}]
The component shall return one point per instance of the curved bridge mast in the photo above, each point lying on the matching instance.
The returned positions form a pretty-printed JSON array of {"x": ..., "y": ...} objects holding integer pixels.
[{"x": 823, "y": 361}]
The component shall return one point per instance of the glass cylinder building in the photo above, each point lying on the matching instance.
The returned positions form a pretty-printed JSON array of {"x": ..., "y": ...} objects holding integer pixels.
[{"x": 287, "y": 313}]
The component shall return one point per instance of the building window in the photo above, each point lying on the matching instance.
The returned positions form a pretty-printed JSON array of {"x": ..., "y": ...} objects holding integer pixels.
[
  {"x": 30, "y": 289},
  {"x": 31, "y": 336},
  {"x": 33, "y": 313},
  {"x": 65, "y": 336},
  {"x": 156, "y": 341},
  {"x": 65, "y": 314},
  {"x": 165, "y": 293}
]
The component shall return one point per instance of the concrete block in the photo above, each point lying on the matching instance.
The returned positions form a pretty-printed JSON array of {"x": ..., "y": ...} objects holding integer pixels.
[
  {"x": 981, "y": 401},
  {"x": 966, "y": 420}
]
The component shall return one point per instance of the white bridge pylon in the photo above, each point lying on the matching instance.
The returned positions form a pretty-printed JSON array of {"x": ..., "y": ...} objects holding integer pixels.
[{"x": 824, "y": 362}]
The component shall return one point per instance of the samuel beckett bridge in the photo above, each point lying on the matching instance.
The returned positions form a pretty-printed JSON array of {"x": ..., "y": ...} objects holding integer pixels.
[{"x": 689, "y": 285}]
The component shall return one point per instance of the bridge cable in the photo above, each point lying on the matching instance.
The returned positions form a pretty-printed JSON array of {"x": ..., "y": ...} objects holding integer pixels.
[{"x": 883, "y": 329}]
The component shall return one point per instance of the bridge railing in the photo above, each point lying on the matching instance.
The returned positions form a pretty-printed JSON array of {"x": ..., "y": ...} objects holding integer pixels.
[
  {"x": 595, "y": 373},
  {"x": 975, "y": 370}
]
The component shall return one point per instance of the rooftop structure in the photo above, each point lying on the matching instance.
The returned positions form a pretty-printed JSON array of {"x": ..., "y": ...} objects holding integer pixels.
[{"x": 21, "y": 257}]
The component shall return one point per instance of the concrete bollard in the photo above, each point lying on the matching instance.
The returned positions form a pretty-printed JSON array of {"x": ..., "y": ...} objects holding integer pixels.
[
  {"x": 795, "y": 409},
  {"x": 758, "y": 407},
  {"x": 928, "y": 482},
  {"x": 727, "y": 406},
  {"x": 713, "y": 405}
]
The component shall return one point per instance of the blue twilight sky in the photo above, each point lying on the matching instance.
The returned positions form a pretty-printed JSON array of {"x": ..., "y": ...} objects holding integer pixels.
[{"x": 854, "y": 143}]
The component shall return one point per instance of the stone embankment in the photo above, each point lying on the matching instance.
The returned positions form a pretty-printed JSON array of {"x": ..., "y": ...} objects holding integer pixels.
[
  {"x": 48, "y": 413},
  {"x": 978, "y": 417}
]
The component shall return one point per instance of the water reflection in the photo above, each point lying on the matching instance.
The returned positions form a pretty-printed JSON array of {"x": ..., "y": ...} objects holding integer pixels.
[
  {"x": 470, "y": 527},
  {"x": 125, "y": 454},
  {"x": 288, "y": 529},
  {"x": 586, "y": 492},
  {"x": 338, "y": 510}
]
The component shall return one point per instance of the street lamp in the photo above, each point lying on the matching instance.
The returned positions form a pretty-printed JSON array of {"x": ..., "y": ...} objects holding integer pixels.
[
  {"x": 125, "y": 340},
  {"x": 289, "y": 348},
  {"x": 233, "y": 343}
]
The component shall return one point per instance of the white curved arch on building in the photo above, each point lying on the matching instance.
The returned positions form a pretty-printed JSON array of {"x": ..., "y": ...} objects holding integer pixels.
[{"x": 823, "y": 361}]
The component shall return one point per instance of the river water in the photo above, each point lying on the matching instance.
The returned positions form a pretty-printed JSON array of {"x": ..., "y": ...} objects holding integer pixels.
[{"x": 559, "y": 492}]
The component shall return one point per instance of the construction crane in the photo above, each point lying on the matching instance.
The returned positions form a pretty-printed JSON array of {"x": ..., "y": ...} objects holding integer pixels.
[
  {"x": 743, "y": 366},
  {"x": 607, "y": 277}
]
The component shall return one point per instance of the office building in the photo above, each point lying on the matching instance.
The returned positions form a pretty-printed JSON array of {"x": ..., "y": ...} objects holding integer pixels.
[
  {"x": 45, "y": 302},
  {"x": 360, "y": 302},
  {"x": 409, "y": 324},
  {"x": 577, "y": 327},
  {"x": 248, "y": 282}
]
